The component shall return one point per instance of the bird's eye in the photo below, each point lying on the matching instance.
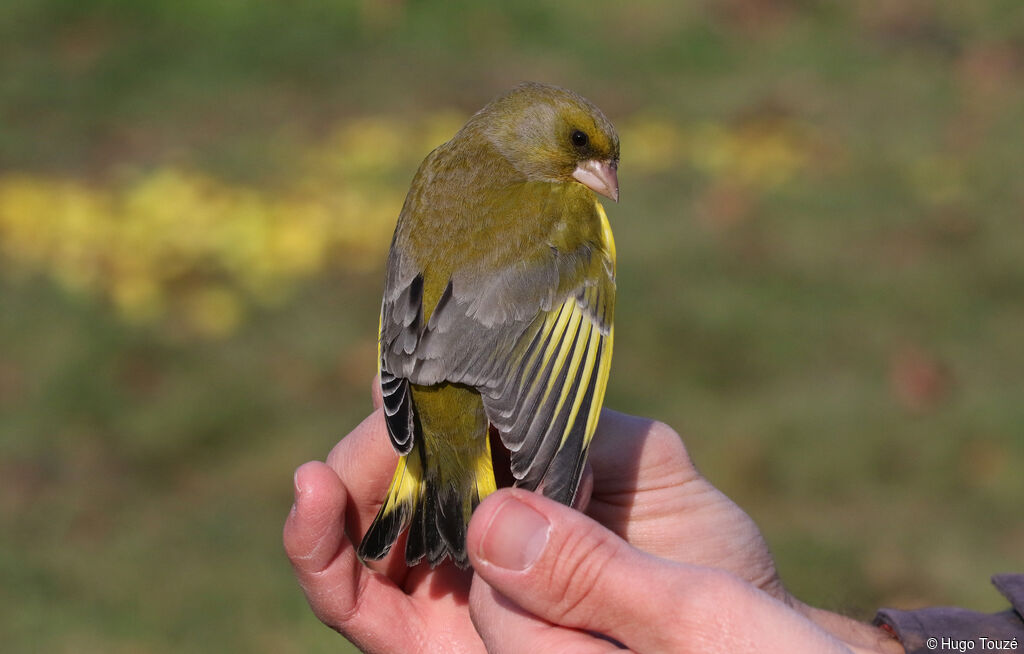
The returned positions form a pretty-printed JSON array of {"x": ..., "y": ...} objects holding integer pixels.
[{"x": 579, "y": 139}]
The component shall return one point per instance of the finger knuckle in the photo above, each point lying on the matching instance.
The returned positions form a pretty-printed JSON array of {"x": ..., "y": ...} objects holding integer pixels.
[
  {"x": 664, "y": 459},
  {"x": 666, "y": 444},
  {"x": 576, "y": 581}
]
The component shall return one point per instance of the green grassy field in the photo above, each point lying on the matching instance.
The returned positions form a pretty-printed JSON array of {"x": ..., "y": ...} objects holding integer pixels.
[{"x": 821, "y": 273}]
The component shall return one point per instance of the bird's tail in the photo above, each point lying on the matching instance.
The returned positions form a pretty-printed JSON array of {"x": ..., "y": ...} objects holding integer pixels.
[
  {"x": 433, "y": 494},
  {"x": 400, "y": 504}
]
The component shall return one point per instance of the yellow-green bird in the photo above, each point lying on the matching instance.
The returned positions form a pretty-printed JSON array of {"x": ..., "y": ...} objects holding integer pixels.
[{"x": 497, "y": 313}]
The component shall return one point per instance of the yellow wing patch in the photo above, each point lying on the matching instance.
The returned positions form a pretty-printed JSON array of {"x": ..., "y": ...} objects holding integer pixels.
[
  {"x": 578, "y": 343},
  {"x": 606, "y": 232},
  {"x": 558, "y": 394}
]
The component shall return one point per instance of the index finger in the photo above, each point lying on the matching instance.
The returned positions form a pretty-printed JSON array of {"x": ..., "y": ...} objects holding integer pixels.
[
  {"x": 628, "y": 448},
  {"x": 634, "y": 458},
  {"x": 365, "y": 462}
]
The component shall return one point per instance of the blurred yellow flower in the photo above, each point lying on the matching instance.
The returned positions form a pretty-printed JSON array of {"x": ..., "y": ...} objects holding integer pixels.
[
  {"x": 759, "y": 153},
  {"x": 213, "y": 311},
  {"x": 137, "y": 298},
  {"x": 181, "y": 243},
  {"x": 651, "y": 145}
]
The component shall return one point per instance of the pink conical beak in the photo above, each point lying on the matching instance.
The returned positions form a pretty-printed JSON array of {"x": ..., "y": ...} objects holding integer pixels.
[{"x": 599, "y": 176}]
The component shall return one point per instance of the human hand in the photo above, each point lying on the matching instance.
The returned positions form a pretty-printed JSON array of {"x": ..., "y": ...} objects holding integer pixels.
[
  {"x": 645, "y": 491},
  {"x": 676, "y": 566},
  {"x": 387, "y": 607}
]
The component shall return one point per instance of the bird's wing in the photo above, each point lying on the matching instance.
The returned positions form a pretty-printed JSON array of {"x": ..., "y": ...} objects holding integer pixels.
[
  {"x": 547, "y": 402},
  {"x": 534, "y": 339},
  {"x": 399, "y": 332}
]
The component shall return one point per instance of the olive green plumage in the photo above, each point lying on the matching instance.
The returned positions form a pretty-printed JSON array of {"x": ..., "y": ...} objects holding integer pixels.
[{"x": 497, "y": 312}]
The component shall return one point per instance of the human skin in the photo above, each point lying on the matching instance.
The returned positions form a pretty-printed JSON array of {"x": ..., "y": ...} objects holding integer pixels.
[{"x": 659, "y": 560}]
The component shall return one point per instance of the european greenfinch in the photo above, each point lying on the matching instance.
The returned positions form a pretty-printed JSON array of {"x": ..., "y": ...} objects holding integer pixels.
[{"x": 497, "y": 314}]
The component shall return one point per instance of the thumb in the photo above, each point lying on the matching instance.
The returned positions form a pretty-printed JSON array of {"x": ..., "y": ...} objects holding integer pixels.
[
  {"x": 563, "y": 567},
  {"x": 542, "y": 558}
]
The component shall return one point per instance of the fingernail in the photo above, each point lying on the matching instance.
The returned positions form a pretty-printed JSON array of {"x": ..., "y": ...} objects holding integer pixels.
[
  {"x": 516, "y": 536},
  {"x": 295, "y": 483}
]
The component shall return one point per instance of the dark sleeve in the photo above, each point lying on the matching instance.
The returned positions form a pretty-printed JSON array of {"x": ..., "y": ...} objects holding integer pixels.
[{"x": 948, "y": 629}]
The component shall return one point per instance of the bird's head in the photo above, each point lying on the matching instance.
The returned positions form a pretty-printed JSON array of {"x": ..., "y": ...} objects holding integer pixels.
[{"x": 551, "y": 134}]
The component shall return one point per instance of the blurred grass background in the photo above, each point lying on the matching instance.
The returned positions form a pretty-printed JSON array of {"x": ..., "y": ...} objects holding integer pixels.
[{"x": 821, "y": 241}]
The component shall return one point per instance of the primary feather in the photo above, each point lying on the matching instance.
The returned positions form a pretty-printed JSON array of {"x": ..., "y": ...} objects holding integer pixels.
[{"x": 497, "y": 311}]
